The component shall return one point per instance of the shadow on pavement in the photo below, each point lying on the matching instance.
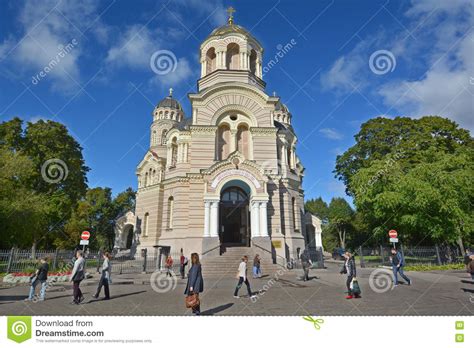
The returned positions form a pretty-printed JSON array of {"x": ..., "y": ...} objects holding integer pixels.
[
  {"x": 116, "y": 296},
  {"x": 217, "y": 309}
]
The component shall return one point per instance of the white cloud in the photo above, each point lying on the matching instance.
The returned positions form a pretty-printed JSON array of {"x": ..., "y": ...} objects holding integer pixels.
[
  {"x": 442, "y": 47},
  {"x": 134, "y": 48},
  {"x": 46, "y": 28},
  {"x": 182, "y": 73},
  {"x": 331, "y": 133}
]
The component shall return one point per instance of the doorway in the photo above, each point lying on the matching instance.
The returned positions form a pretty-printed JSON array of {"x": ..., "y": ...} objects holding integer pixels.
[{"x": 234, "y": 217}]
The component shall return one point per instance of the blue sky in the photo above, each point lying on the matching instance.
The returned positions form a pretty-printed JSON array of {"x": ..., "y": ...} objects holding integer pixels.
[{"x": 332, "y": 79}]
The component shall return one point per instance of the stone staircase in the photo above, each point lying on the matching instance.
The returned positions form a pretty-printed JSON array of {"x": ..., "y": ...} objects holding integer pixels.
[{"x": 226, "y": 265}]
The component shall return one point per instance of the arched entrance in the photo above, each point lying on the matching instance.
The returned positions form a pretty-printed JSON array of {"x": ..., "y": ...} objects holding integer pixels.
[{"x": 234, "y": 215}]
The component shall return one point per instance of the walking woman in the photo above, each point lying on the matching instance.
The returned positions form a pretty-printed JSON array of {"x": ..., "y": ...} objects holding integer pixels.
[
  {"x": 169, "y": 265},
  {"x": 349, "y": 268},
  {"x": 77, "y": 276},
  {"x": 242, "y": 276},
  {"x": 195, "y": 283},
  {"x": 257, "y": 273},
  {"x": 104, "y": 278}
]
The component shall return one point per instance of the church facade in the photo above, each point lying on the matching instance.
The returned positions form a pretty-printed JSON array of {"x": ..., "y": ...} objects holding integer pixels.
[{"x": 228, "y": 175}]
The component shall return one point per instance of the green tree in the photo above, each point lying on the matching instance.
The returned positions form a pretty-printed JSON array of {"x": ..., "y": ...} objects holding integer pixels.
[
  {"x": 58, "y": 186},
  {"x": 413, "y": 175},
  {"x": 317, "y": 207},
  {"x": 340, "y": 218}
]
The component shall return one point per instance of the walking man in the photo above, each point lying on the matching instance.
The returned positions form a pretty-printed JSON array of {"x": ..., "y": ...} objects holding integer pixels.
[
  {"x": 242, "y": 276},
  {"x": 104, "y": 278},
  {"x": 306, "y": 264},
  {"x": 77, "y": 276},
  {"x": 40, "y": 276},
  {"x": 397, "y": 266}
]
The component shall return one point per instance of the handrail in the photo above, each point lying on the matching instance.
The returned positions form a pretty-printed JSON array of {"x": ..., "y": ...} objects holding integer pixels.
[
  {"x": 208, "y": 251},
  {"x": 283, "y": 264}
]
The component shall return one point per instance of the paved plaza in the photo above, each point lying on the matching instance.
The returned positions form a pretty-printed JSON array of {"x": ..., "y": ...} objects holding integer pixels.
[{"x": 432, "y": 293}]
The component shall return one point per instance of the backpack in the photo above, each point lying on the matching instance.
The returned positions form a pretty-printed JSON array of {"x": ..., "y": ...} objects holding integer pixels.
[{"x": 185, "y": 261}]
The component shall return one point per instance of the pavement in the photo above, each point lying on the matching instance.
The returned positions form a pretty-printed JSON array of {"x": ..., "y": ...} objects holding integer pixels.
[{"x": 432, "y": 293}]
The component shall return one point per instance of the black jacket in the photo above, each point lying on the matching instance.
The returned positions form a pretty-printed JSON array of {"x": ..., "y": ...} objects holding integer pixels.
[
  {"x": 195, "y": 280},
  {"x": 350, "y": 270},
  {"x": 43, "y": 272}
]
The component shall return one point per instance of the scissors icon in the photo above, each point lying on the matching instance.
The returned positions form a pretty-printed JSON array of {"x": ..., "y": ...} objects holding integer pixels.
[{"x": 316, "y": 322}]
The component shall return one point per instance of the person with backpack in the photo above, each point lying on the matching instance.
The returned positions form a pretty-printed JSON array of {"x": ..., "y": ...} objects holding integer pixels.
[
  {"x": 306, "y": 263},
  {"x": 183, "y": 262},
  {"x": 104, "y": 278},
  {"x": 77, "y": 276},
  {"x": 40, "y": 277},
  {"x": 349, "y": 268},
  {"x": 242, "y": 276},
  {"x": 397, "y": 266}
]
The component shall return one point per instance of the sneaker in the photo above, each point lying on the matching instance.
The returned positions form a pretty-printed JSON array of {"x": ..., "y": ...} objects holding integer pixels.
[
  {"x": 357, "y": 296},
  {"x": 348, "y": 297},
  {"x": 41, "y": 299},
  {"x": 410, "y": 282},
  {"x": 27, "y": 299},
  {"x": 253, "y": 296},
  {"x": 236, "y": 296}
]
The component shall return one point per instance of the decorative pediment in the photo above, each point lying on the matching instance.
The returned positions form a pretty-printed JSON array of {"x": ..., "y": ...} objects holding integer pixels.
[{"x": 150, "y": 158}]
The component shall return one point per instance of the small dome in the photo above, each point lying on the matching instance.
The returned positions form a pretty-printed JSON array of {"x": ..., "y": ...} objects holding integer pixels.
[
  {"x": 169, "y": 102},
  {"x": 281, "y": 107},
  {"x": 168, "y": 109},
  {"x": 230, "y": 28}
]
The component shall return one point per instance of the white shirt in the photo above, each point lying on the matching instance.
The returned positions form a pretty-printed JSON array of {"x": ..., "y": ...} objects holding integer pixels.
[{"x": 243, "y": 270}]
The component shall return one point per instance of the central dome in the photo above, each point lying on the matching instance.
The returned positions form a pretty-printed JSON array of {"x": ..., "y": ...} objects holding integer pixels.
[{"x": 231, "y": 28}]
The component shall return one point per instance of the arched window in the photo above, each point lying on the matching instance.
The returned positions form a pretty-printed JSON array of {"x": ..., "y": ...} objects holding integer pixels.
[
  {"x": 172, "y": 115},
  {"x": 234, "y": 195},
  {"x": 174, "y": 152},
  {"x": 232, "y": 57},
  {"x": 167, "y": 115},
  {"x": 223, "y": 142},
  {"x": 210, "y": 60},
  {"x": 145, "y": 224},
  {"x": 170, "y": 211},
  {"x": 154, "y": 177},
  {"x": 243, "y": 140},
  {"x": 146, "y": 180},
  {"x": 153, "y": 138},
  {"x": 253, "y": 61},
  {"x": 293, "y": 211},
  {"x": 163, "y": 137}
]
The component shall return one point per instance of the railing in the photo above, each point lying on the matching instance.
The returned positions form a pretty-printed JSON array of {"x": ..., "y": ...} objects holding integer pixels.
[
  {"x": 316, "y": 256},
  {"x": 419, "y": 255}
]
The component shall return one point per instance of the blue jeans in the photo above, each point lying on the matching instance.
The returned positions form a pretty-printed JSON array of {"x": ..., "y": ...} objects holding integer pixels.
[
  {"x": 256, "y": 271},
  {"x": 42, "y": 291},
  {"x": 397, "y": 270}
]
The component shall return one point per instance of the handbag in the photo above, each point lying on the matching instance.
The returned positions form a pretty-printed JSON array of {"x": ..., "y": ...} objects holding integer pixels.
[
  {"x": 192, "y": 300},
  {"x": 355, "y": 286}
]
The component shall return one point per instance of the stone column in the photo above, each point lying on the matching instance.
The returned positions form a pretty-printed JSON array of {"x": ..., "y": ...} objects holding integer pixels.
[
  {"x": 203, "y": 67},
  {"x": 263, "y": 220},
  {"x": 214, "y": 219},
  {"x": 233, "y": 141},
  {"x": 206, "y": 218},
  {"x": 255, "y": 220}
]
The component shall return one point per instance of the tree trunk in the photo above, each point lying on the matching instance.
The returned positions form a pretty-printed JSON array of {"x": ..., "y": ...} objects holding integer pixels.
[
  {"x": 33, "y": 250},
  {"x": 461, "y": 245},
  {"x": 341, "y": 239}
]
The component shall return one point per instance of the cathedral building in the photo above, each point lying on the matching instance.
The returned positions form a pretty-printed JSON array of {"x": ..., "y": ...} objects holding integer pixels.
[{"x": 228, "y": 175}]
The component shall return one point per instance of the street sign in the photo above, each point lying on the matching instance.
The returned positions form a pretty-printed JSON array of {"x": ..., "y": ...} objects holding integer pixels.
[
  {"x": 85, "y": 235},
  {"x": 393, "y": 240},
  {"x": 392, "y": 234},
  {"x": 84, "y": 242}
]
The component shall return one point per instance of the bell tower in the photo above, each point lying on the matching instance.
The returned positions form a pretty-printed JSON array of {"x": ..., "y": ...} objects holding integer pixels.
[{"x": 231, "y": 53}]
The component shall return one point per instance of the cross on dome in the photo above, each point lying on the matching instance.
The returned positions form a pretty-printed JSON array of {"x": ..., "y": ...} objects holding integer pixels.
[
  {"x": 171, "y": 91},
  {"x": 230, "y": 11}
]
